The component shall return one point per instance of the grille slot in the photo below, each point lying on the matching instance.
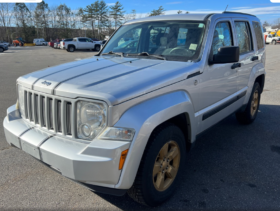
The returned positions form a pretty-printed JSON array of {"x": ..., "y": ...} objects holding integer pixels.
[
  {"x": 43, "y": 104},
  {"x": 50, "y": 101},
  {"x": 48, "y": 111},
  {"x": 68, "y": 119},
  {"x": 36, "y": 107},
  {"x": 59, "y": 126}
]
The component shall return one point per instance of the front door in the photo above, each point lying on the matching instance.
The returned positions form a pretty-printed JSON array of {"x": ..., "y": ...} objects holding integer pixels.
[{"x": 218, "y": 81}]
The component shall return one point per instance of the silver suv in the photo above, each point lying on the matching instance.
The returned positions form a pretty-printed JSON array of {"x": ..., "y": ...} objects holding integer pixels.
[{"x": 123, "y": 121}]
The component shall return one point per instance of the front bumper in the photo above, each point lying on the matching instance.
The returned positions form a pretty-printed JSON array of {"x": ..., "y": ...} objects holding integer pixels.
[{"x": 93, "y": 164}]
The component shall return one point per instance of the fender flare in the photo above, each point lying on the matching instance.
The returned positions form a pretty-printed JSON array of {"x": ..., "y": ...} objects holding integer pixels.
[
  {"x": 257, "y": 70},
  {"x": 144, "y": 118}
]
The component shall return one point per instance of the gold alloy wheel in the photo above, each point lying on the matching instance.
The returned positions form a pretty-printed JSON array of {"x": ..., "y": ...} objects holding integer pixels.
[
  {"x": 254, "y": 103},
  {"x": 166, "y": 166}
]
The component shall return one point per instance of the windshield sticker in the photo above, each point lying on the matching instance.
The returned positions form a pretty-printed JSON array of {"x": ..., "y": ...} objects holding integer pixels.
[
  {"x": 201, "y": 25},
  {"x": 193, "y": 46}
]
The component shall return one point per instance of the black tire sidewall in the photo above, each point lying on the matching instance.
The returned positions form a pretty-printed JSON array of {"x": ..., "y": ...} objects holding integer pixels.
[
  {"x": 151, "y": 196},
  {"x": 97, "y": 48}
]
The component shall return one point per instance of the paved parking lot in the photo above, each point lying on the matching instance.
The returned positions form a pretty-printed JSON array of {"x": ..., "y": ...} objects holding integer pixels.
[{"x": 231, "y": 167}]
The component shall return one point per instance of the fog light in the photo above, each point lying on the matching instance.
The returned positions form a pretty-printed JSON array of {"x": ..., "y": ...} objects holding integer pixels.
[{"x": 86, "y": 130}]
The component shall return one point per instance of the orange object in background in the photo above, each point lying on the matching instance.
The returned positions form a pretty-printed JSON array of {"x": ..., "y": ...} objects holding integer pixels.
[
  {"x": 265, "y": 36},
  {"x": 18, "y": 42},
  {"x": 122, "y": 159}
]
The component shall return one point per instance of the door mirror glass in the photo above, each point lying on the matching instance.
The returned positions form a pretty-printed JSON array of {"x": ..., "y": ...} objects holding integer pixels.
[{"x": 226, "y": 55}]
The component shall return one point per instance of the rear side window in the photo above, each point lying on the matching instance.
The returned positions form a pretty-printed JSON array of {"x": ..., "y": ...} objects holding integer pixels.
[
  {"x": 222, "y": 36},
  {"x": 82, "y": 40},
  {"x": 244, "y": 37},
  {"x": 259, "y": 34}
]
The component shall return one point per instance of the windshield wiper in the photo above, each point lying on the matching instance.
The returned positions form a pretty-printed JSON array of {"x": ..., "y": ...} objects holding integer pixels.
[
  {"x": 152, "y": 55},
  {"x": 115, "y": 53}
]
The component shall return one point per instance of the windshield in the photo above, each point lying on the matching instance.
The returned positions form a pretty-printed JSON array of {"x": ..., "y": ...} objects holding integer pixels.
[{"x": 173, "y": 40}]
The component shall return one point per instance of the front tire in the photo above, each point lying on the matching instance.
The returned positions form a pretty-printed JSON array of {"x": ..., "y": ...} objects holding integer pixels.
[
  {"x": 97, "y": 48},
  {"x": 71, "y": 49},
  {"x": 161, "y": 166},
  {"x": 249, "y": 115},
  {"x": 274, "y": 42}
]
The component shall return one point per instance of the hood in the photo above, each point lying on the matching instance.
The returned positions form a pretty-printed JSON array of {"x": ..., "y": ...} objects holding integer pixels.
[{"x": 112, "y": 79}]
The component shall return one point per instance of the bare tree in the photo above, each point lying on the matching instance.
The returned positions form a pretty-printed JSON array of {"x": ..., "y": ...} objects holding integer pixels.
[{"x": 6, "y": 15}]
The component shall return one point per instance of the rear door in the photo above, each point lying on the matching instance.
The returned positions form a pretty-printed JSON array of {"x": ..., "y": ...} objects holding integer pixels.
[{"x": 248, "y": 57}]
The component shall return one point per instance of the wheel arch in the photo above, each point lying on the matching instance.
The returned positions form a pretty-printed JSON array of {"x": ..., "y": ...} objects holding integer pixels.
[
  {"x": 261, "y": 80},
  {"x": 257, "y": 75},
  {"x": 175, "y": 107}
]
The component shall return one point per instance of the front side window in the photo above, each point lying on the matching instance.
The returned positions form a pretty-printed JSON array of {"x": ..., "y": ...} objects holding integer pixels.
[
  {"x": 243, "y": 35},
  {"x": 222, "y": 36},
  {"x": 172, "y": 40}
]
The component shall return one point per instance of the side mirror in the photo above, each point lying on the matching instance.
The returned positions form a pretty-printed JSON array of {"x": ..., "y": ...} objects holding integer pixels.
[{"x": 228, "y": 54}]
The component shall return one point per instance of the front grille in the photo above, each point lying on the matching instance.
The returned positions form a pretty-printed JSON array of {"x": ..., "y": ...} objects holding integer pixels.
[{"x": 49, "y": 112}]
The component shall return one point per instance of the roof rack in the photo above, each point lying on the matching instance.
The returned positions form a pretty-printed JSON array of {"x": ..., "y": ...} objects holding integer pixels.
[{"x": 241, "y": 13}]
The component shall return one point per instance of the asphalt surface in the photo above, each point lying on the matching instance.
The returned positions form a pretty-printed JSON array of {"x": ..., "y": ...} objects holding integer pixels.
[{"x": 231, "y": 166}]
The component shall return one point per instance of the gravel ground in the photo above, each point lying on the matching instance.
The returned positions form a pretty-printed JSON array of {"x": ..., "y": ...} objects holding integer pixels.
[{"x": 231, "y": 167}]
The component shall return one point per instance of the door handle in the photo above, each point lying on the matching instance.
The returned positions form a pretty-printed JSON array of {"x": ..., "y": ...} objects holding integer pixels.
[
  {"x": 254, "y": 58},
  {"x": 236, "y": 65}
]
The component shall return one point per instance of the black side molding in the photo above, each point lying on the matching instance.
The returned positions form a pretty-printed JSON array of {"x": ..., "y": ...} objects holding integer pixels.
[
  {"x": 223, "y": 106},
  {"x": 194, "y": 74}
]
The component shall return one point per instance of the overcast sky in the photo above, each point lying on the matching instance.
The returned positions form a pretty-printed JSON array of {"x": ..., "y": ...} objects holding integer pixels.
[{"x": 264, "y": 9}]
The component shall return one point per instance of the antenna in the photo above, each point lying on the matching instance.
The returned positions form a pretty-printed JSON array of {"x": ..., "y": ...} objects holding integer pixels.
[{"x": 226, "y": 8}]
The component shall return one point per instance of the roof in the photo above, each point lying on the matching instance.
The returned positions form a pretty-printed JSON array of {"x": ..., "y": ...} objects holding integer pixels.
[{"x": 190, "y": 17}]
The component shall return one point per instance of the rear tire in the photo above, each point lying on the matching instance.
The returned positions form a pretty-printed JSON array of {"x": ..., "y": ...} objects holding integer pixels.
[
  {"x": 1, "y": 50},
  {"x": 160, "y": 170},
  {"x": 249, "y": 115},
  {"x": 274, "y": 42}
]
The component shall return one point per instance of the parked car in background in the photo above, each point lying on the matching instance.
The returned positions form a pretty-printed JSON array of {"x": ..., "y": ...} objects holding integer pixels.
[
  {"x": 56, "y": 45},
  {"x": 5, "y": 43},
  {"x": 273, "y": 40},
  {"x": 80, "y": 43},
  {"x": 94, "y": 39},
  {"x": 123, "y": 122},
  {"x": 40, "y": 41},
  {"x": 51, "y": 43},
  {"x": 103, "y": 43},
  {"x": 3, "y": 48},
  {"x": 62, "y": 43}
]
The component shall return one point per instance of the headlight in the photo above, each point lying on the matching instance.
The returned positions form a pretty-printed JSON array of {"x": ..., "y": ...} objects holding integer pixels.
[
  {"x": 121, "y": 134},
  {"x": 21, "y": 100},
  {"x": 91, "y": 119}
]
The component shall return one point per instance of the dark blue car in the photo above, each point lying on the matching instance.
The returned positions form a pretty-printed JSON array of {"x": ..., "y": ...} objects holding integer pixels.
[{"x": 3, "y": 48}]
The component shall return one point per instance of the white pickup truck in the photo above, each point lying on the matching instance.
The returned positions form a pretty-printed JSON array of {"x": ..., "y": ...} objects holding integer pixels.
[
  {"x": 82, "y": 43},
  {"x": 272, "y": 40}
]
